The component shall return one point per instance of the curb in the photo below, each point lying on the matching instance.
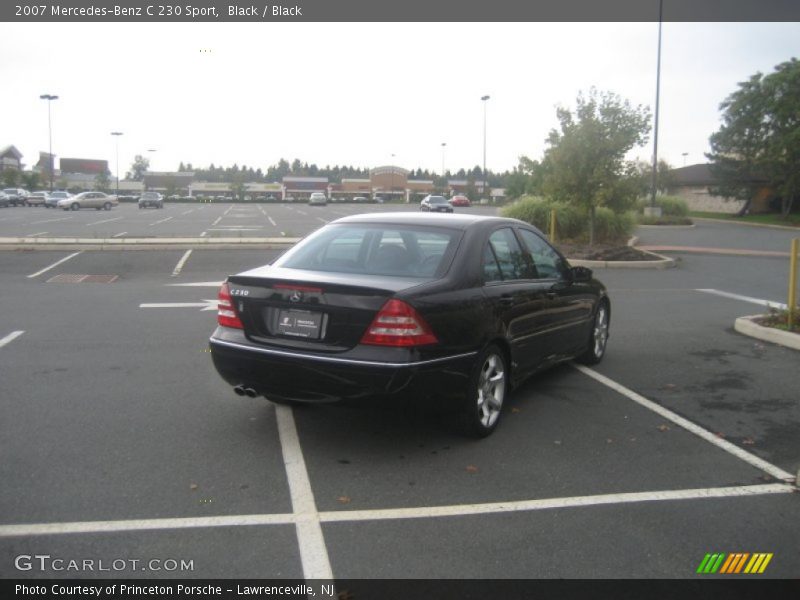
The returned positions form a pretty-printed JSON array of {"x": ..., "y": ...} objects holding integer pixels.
[
  {"x": 659, "y": 262},
  {"x": 765, "y": 225},
  {"x": 747, "y": 326},
  {"x": 28, "y": 243},
  {"x": 692, "y": 226}
]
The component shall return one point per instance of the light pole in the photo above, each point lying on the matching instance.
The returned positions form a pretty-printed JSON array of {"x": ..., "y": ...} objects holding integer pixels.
[
  {"x": 49, "y": 98},
  {"x": 150, "y": 150},
  {"x": 444, "y": 185},
  {"x": 684, "y": 155},
  {"x": 116, "y": 134},
  {"x": 655, "y": 129},
  {"x": 484, "y": 99},
  {"x": 391, "y": 191}
]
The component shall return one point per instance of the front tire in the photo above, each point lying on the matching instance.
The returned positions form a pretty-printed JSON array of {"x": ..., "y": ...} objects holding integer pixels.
[
  {"x": 75, "y": 206},
  {"x": 598, "y": 337},
  {"x": 107, "y": 206},
  {"x": 489, "y": 385}
]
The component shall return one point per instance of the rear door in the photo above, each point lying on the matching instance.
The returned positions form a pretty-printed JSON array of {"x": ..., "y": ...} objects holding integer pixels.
[{"x": 516, "y": 299}]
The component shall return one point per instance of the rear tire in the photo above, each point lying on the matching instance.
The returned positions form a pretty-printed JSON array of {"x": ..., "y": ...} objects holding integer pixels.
[
  {"x": 107, "y": 206},
  {"x": 598, "y": 336},
  {"x": 75, "y": 206},
  {"x": 486, "y": 395}
]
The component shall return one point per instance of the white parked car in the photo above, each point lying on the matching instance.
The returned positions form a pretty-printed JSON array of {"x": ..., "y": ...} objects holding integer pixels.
[
  {"x": 96, "y": 200},
  {"x": 317, "y": 199}
]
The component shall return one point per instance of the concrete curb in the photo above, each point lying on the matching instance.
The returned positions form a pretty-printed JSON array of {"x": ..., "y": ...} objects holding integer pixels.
[
  {"x": 154, "y": 243},
  {"x": 692, "y": 226},
  {"x": 659, "y": 262},
  {"x": 732, "y": 222},
  {"x": 747, "y": 326}
]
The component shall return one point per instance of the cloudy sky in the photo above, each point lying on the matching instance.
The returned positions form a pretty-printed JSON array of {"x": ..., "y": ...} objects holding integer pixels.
[{"x": 357, "y": 94}]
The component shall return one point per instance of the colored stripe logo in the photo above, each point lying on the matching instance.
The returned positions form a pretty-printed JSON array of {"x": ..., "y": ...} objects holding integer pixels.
[{"x": 735, "y": 563}]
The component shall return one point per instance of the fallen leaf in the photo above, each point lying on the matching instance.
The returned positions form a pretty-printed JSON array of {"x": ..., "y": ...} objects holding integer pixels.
[
  {"x": 345, "y": 595},
  {"x": 609, "y": 441},
  {"x": 670, "y": 386},
  {"x": 748, "y": 441},
  {"x": 472, "y": 469},
  {"x": 515, "y": 410},
  {"x": 663, "y": 427},
  {"x": 557, "y": 442},
  {"x": 720, "y": 435},
  {"x": 344, "y": 499},
  {"x": 193, "y": 486},
  {"x": 633, "y": 439}
]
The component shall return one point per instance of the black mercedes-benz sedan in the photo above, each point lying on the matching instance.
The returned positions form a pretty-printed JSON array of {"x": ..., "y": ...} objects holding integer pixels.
[{"x": 450, "y": 310}]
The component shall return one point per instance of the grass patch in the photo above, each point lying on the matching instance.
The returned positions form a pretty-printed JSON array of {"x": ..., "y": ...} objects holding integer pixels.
[
  {"x": 779, "y": 319},
  {"x": 663, "y": 220},
  {"x": 793, "y": 220}
]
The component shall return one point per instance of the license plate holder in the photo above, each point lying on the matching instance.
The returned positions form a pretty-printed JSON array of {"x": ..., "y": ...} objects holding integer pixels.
[{"x": 295, "y": 323}]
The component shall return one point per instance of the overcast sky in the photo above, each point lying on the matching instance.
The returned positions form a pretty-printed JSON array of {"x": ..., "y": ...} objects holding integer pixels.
[{"x": 356, "y": 94}]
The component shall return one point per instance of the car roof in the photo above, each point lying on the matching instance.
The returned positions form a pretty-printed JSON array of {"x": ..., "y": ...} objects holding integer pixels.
[{"x": 453, "y": 221}]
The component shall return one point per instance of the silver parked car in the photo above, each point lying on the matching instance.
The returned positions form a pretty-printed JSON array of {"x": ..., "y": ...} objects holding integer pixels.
[
  {"x": 317, "y": 199},
  {"x": 153, "y": 199},
  {"x": 37, "y": 198},
  {"x": 97, "y": 200}
]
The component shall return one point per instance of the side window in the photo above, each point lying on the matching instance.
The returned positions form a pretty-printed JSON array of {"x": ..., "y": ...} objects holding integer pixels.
[
  {"x": 491, "y": 270},
  {"x": 548, "y": 263},
  {"x": 510, "y": 257}
]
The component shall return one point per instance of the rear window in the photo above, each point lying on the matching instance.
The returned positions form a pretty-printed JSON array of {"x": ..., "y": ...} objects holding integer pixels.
[{"x": 375, "y": 250}]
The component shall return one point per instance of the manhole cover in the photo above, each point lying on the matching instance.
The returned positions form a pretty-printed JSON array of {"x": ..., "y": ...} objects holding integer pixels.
[{"x": 70, "y": 278}]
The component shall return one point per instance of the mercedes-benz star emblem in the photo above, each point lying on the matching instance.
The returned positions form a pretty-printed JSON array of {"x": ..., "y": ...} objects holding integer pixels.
[{"x": 296, "y": 297}]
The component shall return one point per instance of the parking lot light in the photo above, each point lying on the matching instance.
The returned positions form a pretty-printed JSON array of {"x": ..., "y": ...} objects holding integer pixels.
[
  {"x": 116, "y": 134},
  {"x": 50, "y": 98}
]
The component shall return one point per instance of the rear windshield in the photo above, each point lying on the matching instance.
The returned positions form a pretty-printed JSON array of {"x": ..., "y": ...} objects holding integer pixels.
[
  {"x": 388, "y": 250},
  {"x": 437, "y": 200},
  {"x": 149, "y": 196}
]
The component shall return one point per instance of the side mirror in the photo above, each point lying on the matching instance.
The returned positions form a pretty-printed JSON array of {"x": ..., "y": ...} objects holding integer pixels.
[{"x": 580, "y": 274}]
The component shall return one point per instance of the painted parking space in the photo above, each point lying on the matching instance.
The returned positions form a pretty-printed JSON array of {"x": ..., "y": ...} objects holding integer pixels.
[{"x": 165, "y": 456}]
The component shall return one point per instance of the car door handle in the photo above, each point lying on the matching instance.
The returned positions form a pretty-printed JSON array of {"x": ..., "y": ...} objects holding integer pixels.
[
  {"x": 551, "y": 295},
  {"x": 506, "y": 300}
]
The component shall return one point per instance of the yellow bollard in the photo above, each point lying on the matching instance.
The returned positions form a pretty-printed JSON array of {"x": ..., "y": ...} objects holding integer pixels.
[
  {"x": 552, "y": 225},
  {"x": 791, "y": 305}
]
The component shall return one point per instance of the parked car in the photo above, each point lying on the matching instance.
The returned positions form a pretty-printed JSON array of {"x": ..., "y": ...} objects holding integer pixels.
[
  {"x": 4, "y": 202},
  {"x": 317, "y": 199},
  {"x": 453, "y": 313},
  {"x": 460, "y": 201},
  {"x": 435, "y": 204},
  {"x": 97, "y": 200},
  {"x": 153, "y": 199},
  {"x": 53, "y": 198},
  {"x": 38, "y": 198},
  {"x": 360, "y": 199},
  {"x": 16, "y": 196}
]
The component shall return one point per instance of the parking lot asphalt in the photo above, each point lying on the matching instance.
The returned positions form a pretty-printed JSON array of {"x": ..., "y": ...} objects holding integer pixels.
[{"x": 121, "y": 442}]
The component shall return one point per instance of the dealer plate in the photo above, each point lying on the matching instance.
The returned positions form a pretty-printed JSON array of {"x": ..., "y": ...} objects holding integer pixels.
[{"x": 299, "y": 323}]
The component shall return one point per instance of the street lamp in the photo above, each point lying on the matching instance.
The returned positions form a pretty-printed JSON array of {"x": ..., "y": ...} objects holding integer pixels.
[
  {"x": 484, "y": 99},
  {"x": 655, "y": 129},
  {"x": 444, "y": 144},
  {"x": 116, "y": 134},
  {"x": 391, "y": 191},
  {"x": 49, "y": 98},
  {"x": 684, "y": 155}
]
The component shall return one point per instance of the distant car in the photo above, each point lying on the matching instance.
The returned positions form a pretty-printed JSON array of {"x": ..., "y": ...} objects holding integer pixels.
[
  {"x": 378, "y": 200},
  {"x": 460, "y": 201},
  {"x": 317, "y": 199},
  {"x": 153, "y": 199},
  {"x": 435, "y": 204},
  {"x": 3, "y": 200},
  {"x": 96, "y": 200},
  {"x": 38, "y": 198},
  {"x": 360, "y": 199},
  {"x": 53, "y": 198},
  {"x": 16, "y": 196}
]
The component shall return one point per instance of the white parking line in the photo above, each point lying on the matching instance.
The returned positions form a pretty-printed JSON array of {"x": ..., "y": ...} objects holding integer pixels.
[
  {"x": 55, "y": 264},
  {"x": 119, "y": 234},
  {"x": 323, "y": 220},
  {"x": 274, "y": 224},
  {"x": 717, "y": 441},
  {"x": 305, "y": 214},
  {"x": 10, "y": 338},
  {"x": 35, "y": 234},
  {"x": 313, "y": 552},
  {"x": 177, "y": 270},
  {"x": 203, "y": 234},
  {"x": 161, "y": 221},
  {"x": 104, "y": 221},
  {"x": 227, "y": 211},
  {"x": 188, "y": 211},
  {"x": 750, "y": 299},
  {"x": 420, "y": 512},
  {"x": 214, "y": 224},
  {"x": 49, "y": 221}
]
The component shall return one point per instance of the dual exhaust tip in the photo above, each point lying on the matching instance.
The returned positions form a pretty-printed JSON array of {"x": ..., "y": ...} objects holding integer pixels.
[{"x": 245, "y": 391}]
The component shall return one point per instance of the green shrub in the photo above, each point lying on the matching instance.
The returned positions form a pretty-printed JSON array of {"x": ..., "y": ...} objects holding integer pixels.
[
  {"x": 671, "y": 206},
  {"x": 571, "y": 222}
]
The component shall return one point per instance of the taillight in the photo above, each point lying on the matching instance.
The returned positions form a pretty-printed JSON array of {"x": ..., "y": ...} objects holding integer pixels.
[
  {"x": 226, "y": 313},
  {"x": 398, "y": 324}
]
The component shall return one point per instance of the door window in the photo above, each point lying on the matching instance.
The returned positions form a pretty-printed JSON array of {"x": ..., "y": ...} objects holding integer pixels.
[{"x": 549, "y": 265}]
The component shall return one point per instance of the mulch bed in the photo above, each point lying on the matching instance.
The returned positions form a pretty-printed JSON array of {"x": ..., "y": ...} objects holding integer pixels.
[{"x": 608, "y": 252}]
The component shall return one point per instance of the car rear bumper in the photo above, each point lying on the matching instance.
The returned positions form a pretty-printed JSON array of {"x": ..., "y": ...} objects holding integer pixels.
[{"x": 306, "y": 377}]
